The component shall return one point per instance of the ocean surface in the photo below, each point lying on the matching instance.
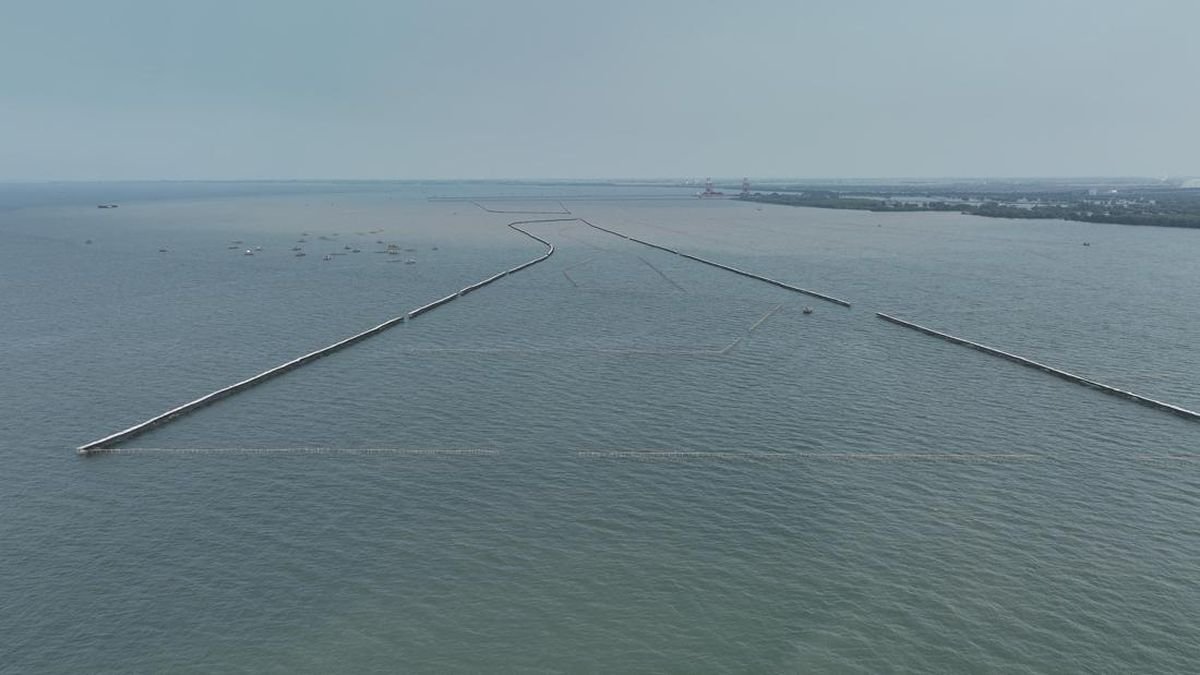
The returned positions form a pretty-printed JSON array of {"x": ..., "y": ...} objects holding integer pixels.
[{"x": 617, "y": 460}]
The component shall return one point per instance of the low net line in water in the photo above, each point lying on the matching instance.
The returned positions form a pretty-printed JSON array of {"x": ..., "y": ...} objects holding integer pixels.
[
  {"x": 563, "y": 210},
  {"x": 565, "y": 233},
  {"x": 696, "y": 350},
  {"x": 301, "y": 450},
  {"x": 727, "y": 268},
  {"x": 142, "y": 427},
  {"x": 650, "y": 455},
  {"x": 660, "y": 455},
  {"x": 751, "y": 329},
  {"x": 571, "y": 267},
  {"x": 662, "y": 274},
  {"x": 663, "y": 351},
  {"x": 598, "y": 197},
  {"x": 1071, "y": 377},
  {"x": 639, "y": 455}
]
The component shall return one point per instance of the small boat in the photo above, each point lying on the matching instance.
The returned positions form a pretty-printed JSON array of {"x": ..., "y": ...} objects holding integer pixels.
[
  {"x": 328, "y": 257},
  {"x": 1087, "y": 243},
  {"x": 257, "y": 248},
  {"x": 301, "y": 254},
  {"x": 808, "y": 310},
  {"x": 106, "y": 206},
  {"x": 434, "y": 248},
  {"x": 162, "y": 250},
  {"x": 237, "y": 241},
  {"x": 410, "y": 261},
  {"x": 248, "y": 252},
  {"x": 296, "y": 248},
  {"x": 357, "y": 251},
  {"x": 346, "y": 248}
]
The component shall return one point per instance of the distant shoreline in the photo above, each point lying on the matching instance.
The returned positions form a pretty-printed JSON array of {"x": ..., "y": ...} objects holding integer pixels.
[{"x": 1179, "y": 208}]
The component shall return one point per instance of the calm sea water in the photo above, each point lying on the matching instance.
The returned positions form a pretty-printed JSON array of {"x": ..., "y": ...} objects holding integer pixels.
[{"x": 617, "y": 460}]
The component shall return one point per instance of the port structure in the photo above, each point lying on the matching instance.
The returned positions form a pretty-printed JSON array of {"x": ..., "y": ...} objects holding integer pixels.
[{"x": 709, "y": 191}]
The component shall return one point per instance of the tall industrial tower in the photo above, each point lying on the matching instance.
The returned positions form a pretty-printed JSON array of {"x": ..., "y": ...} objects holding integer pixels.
[{"x": 709, "y": 191}]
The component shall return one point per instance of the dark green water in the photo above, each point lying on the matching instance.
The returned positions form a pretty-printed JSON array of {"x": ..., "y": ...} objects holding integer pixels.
[{"x": 618, "y": 460}]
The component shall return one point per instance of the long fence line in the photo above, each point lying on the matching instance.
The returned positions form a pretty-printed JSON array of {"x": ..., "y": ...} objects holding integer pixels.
[
  {"x": 563, "y": 210},
  {"x": 728, "y": 268},
  {"x": 102, "y": 444},
  {"x": 1183, "y": 412},
  {"x": 467, "y": 199}
]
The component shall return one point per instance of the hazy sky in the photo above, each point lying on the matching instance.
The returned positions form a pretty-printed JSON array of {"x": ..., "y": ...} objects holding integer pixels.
[{"x": 173, "y": 89}]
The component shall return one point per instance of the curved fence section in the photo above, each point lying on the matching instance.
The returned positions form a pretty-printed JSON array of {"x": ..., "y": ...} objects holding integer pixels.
[
  {"x": 1183, "y": 412},
  {"x": 107, "y": 442}
]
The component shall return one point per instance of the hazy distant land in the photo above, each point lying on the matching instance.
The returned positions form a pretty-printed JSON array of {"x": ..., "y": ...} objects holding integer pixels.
[{"x": 1126, "y": 202}]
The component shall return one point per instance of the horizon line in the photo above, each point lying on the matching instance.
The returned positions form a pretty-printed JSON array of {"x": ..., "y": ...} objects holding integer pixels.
[{"x": 607, "y": 179}]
